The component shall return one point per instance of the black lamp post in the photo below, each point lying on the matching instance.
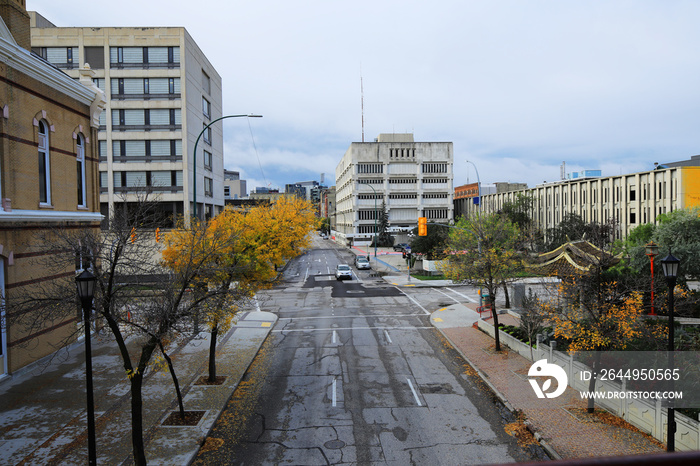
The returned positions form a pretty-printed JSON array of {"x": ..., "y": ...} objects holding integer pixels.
[
  {"x": 670, "y": 265},
  {"x": 85, "y": 283}
]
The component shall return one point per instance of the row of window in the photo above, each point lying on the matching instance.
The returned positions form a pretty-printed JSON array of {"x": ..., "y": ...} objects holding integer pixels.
[
  {"x": 163, "y": 179},
  {"x": 370, "y": 181},
  {"x": 368, "y": 214},
  {"x": 435, "y": 213},
  {"x": 142, "y": 151},
  {"x": 119, "y": 57},
  {"x": 144, "y": 119},
  {"x": 402, "y": 180},
  {"x": 434, "y": 168},
  {"x": 402, "y": 153},
  {"x": 44, "y": 167},
  {"x": 403, "y": 196},
  {"x": 370, "y": 168},
  {"x": 144, "y": 88},
  {"x": 659, "y": 189}
]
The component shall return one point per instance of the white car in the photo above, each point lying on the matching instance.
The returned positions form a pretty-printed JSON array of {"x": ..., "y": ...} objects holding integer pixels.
[
  {"x": 362, "y": 263},
  {"x": 343, "y": 272}
]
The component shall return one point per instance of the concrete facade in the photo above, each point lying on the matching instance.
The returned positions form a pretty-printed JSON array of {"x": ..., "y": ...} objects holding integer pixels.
[
  {"x": 234, "y": 186},
  {"x": 48, "y": 179},
  {"x": 413, "y": 179},
  {"x": 631, "y": 200},
  {"x": 162, "y": 91}
]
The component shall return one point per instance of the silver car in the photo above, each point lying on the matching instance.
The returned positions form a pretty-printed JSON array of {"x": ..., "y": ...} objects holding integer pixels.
[
  {"x": 343, "y": 272},
  {"x": 362, "y": 263}
]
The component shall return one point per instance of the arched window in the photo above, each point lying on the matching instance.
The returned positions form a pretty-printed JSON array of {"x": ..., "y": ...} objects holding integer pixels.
[
  {"x": 44, "y": 164},
  {"x": 80, "y": 158}
]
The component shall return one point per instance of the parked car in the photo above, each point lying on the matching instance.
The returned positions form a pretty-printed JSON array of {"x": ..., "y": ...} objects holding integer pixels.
[
  {"x": 400, "y": 246},
  {"x": 343, "y": 272},
  {"x": 362, "y": 263}
]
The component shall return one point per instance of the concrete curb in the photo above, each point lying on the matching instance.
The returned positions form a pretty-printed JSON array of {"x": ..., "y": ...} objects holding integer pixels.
[{"x": 551, "y": 452}]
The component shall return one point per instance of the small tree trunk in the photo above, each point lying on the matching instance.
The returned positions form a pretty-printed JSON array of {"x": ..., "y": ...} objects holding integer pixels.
[
  {"x": 495, "y": 320},
  {"x": 591, "y": 384},
  {"x": 212, "y": 353},
  {"x": 505, "y": 291},
  {"x": 175, "y": 381},
  {"x": 137, "y": 444}
]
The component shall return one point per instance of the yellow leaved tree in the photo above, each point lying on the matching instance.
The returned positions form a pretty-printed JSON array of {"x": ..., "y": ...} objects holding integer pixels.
[{"x": 243, "y": 250}]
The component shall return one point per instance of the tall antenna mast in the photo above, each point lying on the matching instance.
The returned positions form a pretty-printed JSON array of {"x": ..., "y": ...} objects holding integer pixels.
[{"x": 362, "y": 98}]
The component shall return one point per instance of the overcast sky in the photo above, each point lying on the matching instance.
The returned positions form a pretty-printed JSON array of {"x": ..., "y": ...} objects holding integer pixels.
[{"x": 519, "y": 86}]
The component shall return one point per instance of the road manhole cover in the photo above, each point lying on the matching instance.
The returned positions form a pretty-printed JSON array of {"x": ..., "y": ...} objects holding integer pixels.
[{"x": 334, "y": 444}]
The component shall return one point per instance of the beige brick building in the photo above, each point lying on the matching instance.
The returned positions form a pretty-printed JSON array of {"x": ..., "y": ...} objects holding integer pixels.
[
  {"x": 631, "y": 199},
  {"x": 48, "y": 175}
]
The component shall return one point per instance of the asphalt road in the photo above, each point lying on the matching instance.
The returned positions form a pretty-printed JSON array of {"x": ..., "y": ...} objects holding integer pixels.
[{"x": 354, "y": 373}]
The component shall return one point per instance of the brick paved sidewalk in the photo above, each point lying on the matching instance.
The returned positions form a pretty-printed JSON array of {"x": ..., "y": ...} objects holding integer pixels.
[{"x": 562, "y": 422}]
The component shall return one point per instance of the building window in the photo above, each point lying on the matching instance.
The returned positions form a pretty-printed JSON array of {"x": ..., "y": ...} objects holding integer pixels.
[
  {"x": 207, "y": 133},
  {"x": 44, "y": 164},
  {"x": 206, "y": 83},
  {"x": 95, "y": 56},
  {"x": 208, "y": 187},
  {"x": 207, "y": 160},
  {"x": 206, "y": 108},
  {"x": 80, "y": 158},
  {"x": 61, "y": 57}
]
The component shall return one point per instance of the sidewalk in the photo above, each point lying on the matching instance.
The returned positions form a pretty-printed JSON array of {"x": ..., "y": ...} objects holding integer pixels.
[
  {"x": 394, "y": 266},
  {"x": 561, "y": 424},
  {"x": 43, "y": 414}
]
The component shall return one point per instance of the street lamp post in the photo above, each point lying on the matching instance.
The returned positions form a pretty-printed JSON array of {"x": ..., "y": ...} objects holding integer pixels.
[
  {"x": 194, "y": 152},
  {"x": 478, "y": 182},
  {"x": 670, "y": 266},
  {"x": 652, "y": 250},
  {"x": 85, "y": 283}
]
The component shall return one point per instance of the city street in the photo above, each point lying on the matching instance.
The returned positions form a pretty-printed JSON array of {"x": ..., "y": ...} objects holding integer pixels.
[{"x": 353, "y": 372}]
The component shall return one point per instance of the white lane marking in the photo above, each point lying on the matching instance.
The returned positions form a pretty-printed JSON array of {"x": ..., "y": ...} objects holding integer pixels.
[
  {"x": 388, "y": 338},
  {"x": 462, "y": 295},
  {"x": 350, "y": 328},
  {"x": 307, "y": 274},
  {"x": 335, "y": 385},
  {"x": 349, "y": 317},
  {"x": 414, "y": 301},
  {"x": 257, "y": 304},
  {"x": 335, "y": 336},
  {"x": 415, "y": 395},
  {"x": 442, "y": 292},
  {"x": 329, "y": 270}
]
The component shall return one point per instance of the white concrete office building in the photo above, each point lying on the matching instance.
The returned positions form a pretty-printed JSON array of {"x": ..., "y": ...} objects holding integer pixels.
[
  {"x": 162, "y": 91},
  {"x": 413, "y": 179}
]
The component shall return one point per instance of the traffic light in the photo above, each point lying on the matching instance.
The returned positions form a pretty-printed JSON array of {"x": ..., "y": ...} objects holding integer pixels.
[
  {"x": 422, "y": 226},
  {"x": 133, "y": 235},
  {"x": 158, "y": 235}
]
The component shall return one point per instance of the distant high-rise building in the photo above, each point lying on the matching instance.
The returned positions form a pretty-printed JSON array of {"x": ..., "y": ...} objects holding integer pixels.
[
  {"x": 162, "y": 92},
  {"x": 234, "y": 186}
]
